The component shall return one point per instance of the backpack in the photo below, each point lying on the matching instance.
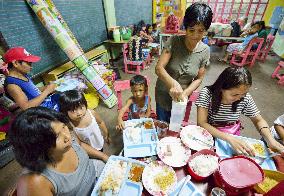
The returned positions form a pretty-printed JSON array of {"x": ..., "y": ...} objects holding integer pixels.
[{"x": 236, "y": 31}]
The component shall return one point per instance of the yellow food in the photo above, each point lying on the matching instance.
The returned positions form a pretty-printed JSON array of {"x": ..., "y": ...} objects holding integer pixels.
[
  {"x": 267, "y": 184},
  {"x": 109, "y": 184},
  {"x": 136, "y": 173},
  {"x": 259, "y": 149},
  {"x": 164, "y": 180}
]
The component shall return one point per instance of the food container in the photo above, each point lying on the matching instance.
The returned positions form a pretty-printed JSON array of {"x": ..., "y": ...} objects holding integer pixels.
[
  {"x": 140, "y": 138},
  {"x": 162, "y": 128},
  {"x": 238, "y": 175},
  {"x": 272, "y": 178},
  {"x": 192, "y": 172},
  {"x": 120, "y": 176}
]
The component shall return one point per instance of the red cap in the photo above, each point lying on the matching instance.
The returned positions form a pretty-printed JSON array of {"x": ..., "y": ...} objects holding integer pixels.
[{"x": 19, "y": 54}]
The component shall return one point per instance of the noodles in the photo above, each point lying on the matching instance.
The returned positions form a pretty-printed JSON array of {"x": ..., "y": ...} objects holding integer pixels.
[{"x": 259, "y": 149}]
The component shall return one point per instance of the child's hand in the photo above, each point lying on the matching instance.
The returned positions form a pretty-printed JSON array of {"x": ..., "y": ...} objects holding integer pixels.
[
  {"x": 105, "y": 158},
  {"x": 120, "y": 125},
  {"x": 107, "y": 139},
  {"x": 50, "y": 88}
]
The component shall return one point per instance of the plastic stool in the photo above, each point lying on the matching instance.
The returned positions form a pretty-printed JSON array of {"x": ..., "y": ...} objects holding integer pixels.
[{"x": 276, "y": 73}]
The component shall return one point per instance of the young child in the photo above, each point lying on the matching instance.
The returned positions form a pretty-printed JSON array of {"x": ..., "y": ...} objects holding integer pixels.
[
  {"x": 155, "y": 33},
  {"x": 139, "y": 104},
  {"x": 20, "y": 86},
  {"x": 142, "y": 32},
  {"x": 54, "y": 161},
  {"x": 220, "y": 105},
  {"x": 88, "y": 125},
  {"x": 277, "y": 130}
]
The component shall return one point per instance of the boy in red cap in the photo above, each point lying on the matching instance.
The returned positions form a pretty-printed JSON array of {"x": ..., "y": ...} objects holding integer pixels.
[{"x": 20, "y": 86}]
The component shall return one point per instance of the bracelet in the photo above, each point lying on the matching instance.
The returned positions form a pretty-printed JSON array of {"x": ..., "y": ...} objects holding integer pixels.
[{"x": 263, "y": 128}]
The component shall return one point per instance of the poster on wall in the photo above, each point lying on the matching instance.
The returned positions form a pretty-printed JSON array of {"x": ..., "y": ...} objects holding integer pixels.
[{"x": 278, "y": 44}]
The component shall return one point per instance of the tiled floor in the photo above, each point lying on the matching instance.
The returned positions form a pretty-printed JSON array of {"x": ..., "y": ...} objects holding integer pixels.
[{"x": 267, "y": 94}]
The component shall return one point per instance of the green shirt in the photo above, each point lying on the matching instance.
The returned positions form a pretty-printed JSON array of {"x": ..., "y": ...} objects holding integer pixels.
[
  {"x": 183, "y": 66},
  {"x": 263, "y": 34}
]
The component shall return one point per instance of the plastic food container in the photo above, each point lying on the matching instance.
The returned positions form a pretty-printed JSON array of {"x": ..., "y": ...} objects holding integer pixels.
[
  {"x": 272, "y": 178},
  {"x": 193, "y": 174},
  {"x": 161, "y": 127},
  {"x": 238, "y": 175}
]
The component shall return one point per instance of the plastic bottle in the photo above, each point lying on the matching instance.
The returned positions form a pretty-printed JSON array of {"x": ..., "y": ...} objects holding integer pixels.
[
  {"x": 177, "y": 115},
  {"x": 116, "y": 35}
]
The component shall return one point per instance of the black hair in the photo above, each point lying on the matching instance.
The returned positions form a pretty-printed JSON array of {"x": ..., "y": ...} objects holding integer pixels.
[
  {"x": 154, "y": 25},
  {"x": 138, "y": 80},
  {"x": 71, "y": 100},
  {"x": 198, "y": 13},
  {"x": 231, "y": 77},
  {"x": 211, "y": 34},
  {"x": 260, "y": 23},
  {"x": 139, "y": 26},
  {"x": 32, "y": 136},
  {"x": 147, "y": 28}
]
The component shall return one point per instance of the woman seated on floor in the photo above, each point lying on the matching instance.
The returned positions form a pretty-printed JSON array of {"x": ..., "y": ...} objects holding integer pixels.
[{"x": 54, "y": 161}]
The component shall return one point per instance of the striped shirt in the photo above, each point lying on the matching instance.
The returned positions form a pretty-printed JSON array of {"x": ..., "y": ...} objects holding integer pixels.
[{"x": 225, "y": 114}]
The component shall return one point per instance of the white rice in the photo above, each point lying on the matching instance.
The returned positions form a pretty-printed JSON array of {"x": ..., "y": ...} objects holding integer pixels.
[{"x": 204, "y": 165}]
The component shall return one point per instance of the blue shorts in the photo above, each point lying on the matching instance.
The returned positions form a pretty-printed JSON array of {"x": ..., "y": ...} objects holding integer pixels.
[{"x": 163, "y": 114}]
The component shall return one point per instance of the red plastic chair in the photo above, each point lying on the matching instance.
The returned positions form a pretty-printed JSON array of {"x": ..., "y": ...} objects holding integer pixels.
[
  {"x": 192, "y": 98},
  {"x": 276, "y": 73},
  {"x": 264, "y": 51},
  {"x": 248, "y": 56},
  {"x": 135, "y": 65},
  {"x": 122, "y": 85}
]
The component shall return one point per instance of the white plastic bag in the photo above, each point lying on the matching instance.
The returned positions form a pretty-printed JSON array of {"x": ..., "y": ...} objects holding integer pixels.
[{"x": 177, "y": 115}]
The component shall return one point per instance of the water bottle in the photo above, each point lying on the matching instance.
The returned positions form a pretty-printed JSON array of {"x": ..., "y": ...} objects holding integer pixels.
[
  {"x": 116, "y": 35},
  {"x": 177, "y": 115}
]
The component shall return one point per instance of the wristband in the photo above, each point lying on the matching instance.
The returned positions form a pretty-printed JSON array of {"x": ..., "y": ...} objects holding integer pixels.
[{"x": 263, "y": 128}]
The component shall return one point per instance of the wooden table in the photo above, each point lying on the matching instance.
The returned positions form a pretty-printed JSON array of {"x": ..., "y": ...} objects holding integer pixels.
[
  {"x": 229, "y": 38},
  {"x": 110, "y": 44}
]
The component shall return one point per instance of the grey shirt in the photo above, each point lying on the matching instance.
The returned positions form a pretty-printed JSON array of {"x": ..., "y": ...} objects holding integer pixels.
[
  {"x": 183, "y": 66},
  {"x": 80, "y": 182}
]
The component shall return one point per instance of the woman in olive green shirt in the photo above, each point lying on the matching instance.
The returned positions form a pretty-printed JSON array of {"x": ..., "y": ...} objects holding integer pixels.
[{"x": 183, "y": 61}]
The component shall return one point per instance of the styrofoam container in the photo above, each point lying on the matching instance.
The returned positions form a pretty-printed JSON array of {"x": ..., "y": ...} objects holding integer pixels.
[
  {"x": 127, "y": 187},
  {"x": 144, "y": 146},
  {"x": 224, "y": 150}
]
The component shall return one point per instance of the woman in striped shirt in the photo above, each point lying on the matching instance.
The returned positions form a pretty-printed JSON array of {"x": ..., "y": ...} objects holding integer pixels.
[{"x": 220, "y": 105}]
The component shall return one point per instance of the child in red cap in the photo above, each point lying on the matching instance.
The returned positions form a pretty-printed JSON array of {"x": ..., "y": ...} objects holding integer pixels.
[{"x": 19, "y": 85}]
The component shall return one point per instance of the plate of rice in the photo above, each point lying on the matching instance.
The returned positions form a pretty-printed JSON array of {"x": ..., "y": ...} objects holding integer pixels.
[
  {"x": 196, "y": 138},
  {"x": 158, "y": 178},
  {"x": 173, "y": 152}
]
